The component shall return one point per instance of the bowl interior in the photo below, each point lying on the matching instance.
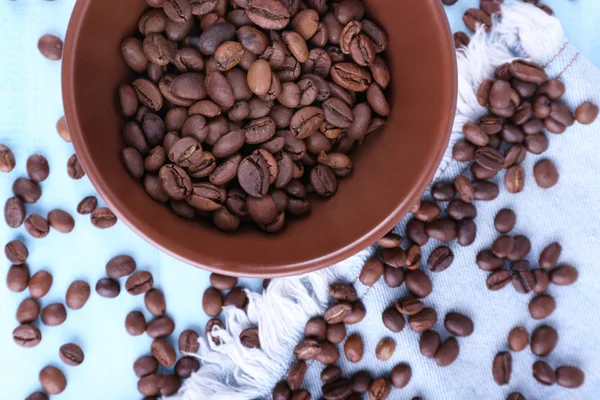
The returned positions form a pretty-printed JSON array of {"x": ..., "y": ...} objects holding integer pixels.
[{"x": 391, "y": 168}]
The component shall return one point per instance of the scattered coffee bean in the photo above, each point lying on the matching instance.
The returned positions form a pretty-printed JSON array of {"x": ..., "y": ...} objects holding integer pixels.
[
  {"x": 77, "y": 295},
  {"x": 54, "y": 314},
  {"x": 236, "y": 297},
  {"x": 154, "y": 299},
  {"x": 74, "y": 168},
  {"x": 429, "y": 343},
  {"x": 409, "y": 306},
  {"x": 418, "y": 283},
  {"x": 27, "y": 190},
  {"x": 543, "y": 340},
  {"x": 389, "y": 241},
  {"x": 545, "y": 174},
  {"x": 423, "y": 320},
  {"x": 458, "y": 324},
  {"x": 518, "y": 339},
  {"x": 569, "y": 377},
  {"x": 120, "y": 266},
  {"x": 87, "y": 205},
  {"x": 296, "y": 374},
  {"x": 37, "y": 396},
  {"x": 447, "y": 353},
  {"x": 39, "y": 284},
  {"x": 393, "y": 320},
  {"x": 28, "y": 311},
  {"x": 400, "y": 375},
  {"x": 61, "y": 220},
  {"x": 14, "y": 212},
  {"x": 16, "y": 252},
  {"x": 502, "y": 368},
  {"x": 586, "y": 113},
  {"x": 53, "y": 381},
  {"x": 107, "y": 287},
  {"x": 27, "y": 336},
  {"x": 505, "y": 220},
  {"x": 380, "y": 389},
  {"x": 7, "y": 159},
  {"x": 331, "y": 373},
  {"x": 50, "y": 47},
  {"x": 37, "y": 226},
  {"x": 371, "y": 271},
  {"x": 542, "y": 306},
  {"x": 385, "y": 349},
  {"x": 37, "y": 168},
  {"x": 188, "y": 341},
  {"x": 354, "y": 348},
  {"x": 315, "y": 327},
  {"x": 163, "y": 352},
  {"x": 145, "y": 366},
  {"x": 549, "y": 256},
  {"x": 250, "y": 338},
  {"x": 440, "y": 259},
  {"x": 71, "y": 354},
  {"x": 103, "y": 218},
  {"x": 160, "y": 327},
  {"x": 212, "y": 302},
  {"x": 564, "y": 275},
  {"x": 543, "y": 373},
  {"x": 222, "y": 282},
  {"x": 186, "y": 366},
  {"x": 138, "y": 283}
]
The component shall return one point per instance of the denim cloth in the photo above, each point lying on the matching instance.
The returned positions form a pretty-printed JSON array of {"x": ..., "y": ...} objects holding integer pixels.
[{"x": 30, "y": 104}]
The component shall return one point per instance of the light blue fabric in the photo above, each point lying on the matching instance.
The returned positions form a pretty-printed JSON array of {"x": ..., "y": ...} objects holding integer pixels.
[{"x": 30, "y": 104}]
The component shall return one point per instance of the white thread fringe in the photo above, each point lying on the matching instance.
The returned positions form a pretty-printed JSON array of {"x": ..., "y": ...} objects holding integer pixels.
[{"x": 231, "y": 371}]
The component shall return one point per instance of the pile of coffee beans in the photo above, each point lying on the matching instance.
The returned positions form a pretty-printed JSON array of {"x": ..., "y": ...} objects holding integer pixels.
[{"x": 243, "y": 108}]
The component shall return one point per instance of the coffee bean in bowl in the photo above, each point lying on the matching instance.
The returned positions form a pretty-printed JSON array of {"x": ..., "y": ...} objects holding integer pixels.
[{"x": 309, "y": 118}]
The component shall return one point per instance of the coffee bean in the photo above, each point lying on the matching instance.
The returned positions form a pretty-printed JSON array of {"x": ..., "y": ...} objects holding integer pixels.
[
  {"x": 542, "y": 306},
  {"x": 447, "y": 353},
  {"x": 120, "y": 266},
  {"x": 163, "y": 352},
  {"x": 71, "y": 354},
  {"x": 212, "y": 302},
  {"x": 27, "y": 336},
  {"x": 354, "y": 348},
  {"x": 442, "y": 229},
  {"x": 543, "y": 373},
  {"x": 16, "y": 252},
  {"x": 210, "y": 326},
  {"x": 485, "y": 191},
  {"x": 28, "y": 311},
  {"x": 338, "y": 312},
  {"x": 463, "y": 151},
  {"x": 14, "y": 212},
  {"x": 560, "y": 113},
  {"x": 498, "y": 280},
  {"x": 545, "y": 174},
  {"x": 443, "y": 191},
  {"x": 186, "y": 366},
  {"x": 27, "y": 190},
  {"x": 160, "y": 327},
  {"x": 415, "y": 231},
  {"x": 282, "y": 391},
  {"x": 236, "y": 297},
  {"x": 515, "y": 179},
  {"x": 586, "y": 113},
  {"x": 440, "y": 259},
  {"x": 503, "y": 246},
  {"x": 521, "y": 249},
  {"x": 87, "y": 205},
  {"x": 502, "y": 368},
  {"x": 467, "y": 231},
  {"x": 342, "y": 291},
  {"x": 380, "y": 389},
  {"x": 188, "y": 341},
  {"x": 103, "y": 218},
  {"x": 50, "y": 47},
  {"x": 483, "y": 93},
  {"x": 429, "y": 343},
  {"x": 459, "y": 210},
  {"x": 390, "y": 240},
  {"x": 505, "y": 220},
  {"x": 458, "y": 324},
  {"x": 528, "y": 72},
  {"x": 52, "y": 380},
  {"x": 222, "y": 282},
  {"x": 37, "y": 168},
  {"x": 569, "y": 377},
  {"x": 315, "y": 327},
  {"x": 428, "y": 211},
  {"x": 518, "y": 339},
  {"x": 331, "y": 373},
  {"x": 549, "y": 256},
  {"x": 409, "y": 305},
  {"x": 385, "y": 349},
  {"x": 37, "y": 226},
  {"x": 460, "y": 38},
  {"x": 336, "y": 333},
  {"x": 371, "y": 271},
  {"x": 401, "y": 375},
  {"x": 474, "y": 17},
  {"x": 464, "y": 189},
  {"x": 39, "y": 284},
  {"x": 107, "y": 287},
  {"x": 307, "y": 349},
  {"x": 490, "y": 158},
  {"x": 543, "y": 340},
  {"x": 37, "y": 396},
  {"x": 77, "y": 295},
  {"x": 395, "y": 257},
  {"x": 418, "y": 283},
  {"x": 149, "y": 385},
  {"x": 564, "y": 275},
  {"x": 7, "y": 159},
  {"x": 140, "y": 282},
  {"x": 144, "y": 366},
  {"x": 61, "y": 220},
  {"x": 53, "y": 314},
  {"x": 423, "y": 320},
  {"x": 393, "y": 320}
]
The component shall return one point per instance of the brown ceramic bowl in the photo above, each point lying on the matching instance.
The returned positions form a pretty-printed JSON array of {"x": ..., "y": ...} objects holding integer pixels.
[{"x": 391, "y": 169}]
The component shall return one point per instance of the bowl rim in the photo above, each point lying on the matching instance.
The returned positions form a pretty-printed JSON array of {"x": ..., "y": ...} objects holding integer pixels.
[{"x": 255, "y": 271}]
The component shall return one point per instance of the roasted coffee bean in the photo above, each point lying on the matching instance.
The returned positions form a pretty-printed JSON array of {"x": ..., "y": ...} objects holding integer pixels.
[
  {"x": 37, "y": 226},
  {"x": 542, "y": 306},
  {"x": 543, "y": 340},
  {"x": 440, "y": 259},
  {"x": 418, "y": 283},
  {"x": 149, "y": 385},
  {"x": 443, "y": 191},
  {"x": 380, "y": 389},
  {"x": 50, "y": 47},
  {"x": 354, "y": 348},
  {"x": 569, "y": 377},
  {"x": 393, "y": 320},
  {"x": 523, "y": 281},
  {"x": 482, "y": 173},
  {"x": 503, "y": 246},
  {"x": 71, "y": 354},
  {"x": 296, "y": 374},
  {"x": 545, "y": 174},
  {"x": 315, "y": 327},
  {"x": 140, "y": 282},
  {"x": 490, "y": 158},
  {"x": 442, "y": 229},
  {"x": 488, "y": 261},
  {"x": 400, "y": 375},
  {"x": 103, "y": 218},
  {"x": 16, "y": 252},
  {"x": 564, "y": 275},
  {"x": 61, "y": 221},
  {"x": 236, "y": 297},
  {"x": 222, "y": 282},
  {"x": 188, "y": 341},
  {"x": 53, "y": 314},
  {"x": 561, "y": 113},
  {"x": 186, "y": 366},
  {"x": 543, "y": 373},
  {"x": 460, "y": 38},
  {"x": 7, "y": 159},
  {"x": 542, "y": 281},
  {"x": 39, "y": 284},
  {"x": 490, "y": 125},
  {"x": 282, "y": 391},
  {"x": 429, "y": 343},
  {"x": 163, "y": 352},
  {"x": 464, "y": 189},
  {"x": 371, "y": 271},
  {"x": 107, "y": 287},
  {"x": 415, "y": 231},
  {"x": 586, "y": 113},
  {"x": 521, "y": 249},
  {"x": 483, "y": 93},
  {"x": 250, "y": 339},
  {"x": 342, "y": 291},
  {"x": 474, "y": 17},
  {"x": 536, "y": 143},
  {"x": 409, "y": 305},
  {"x": 52, "y": 380},
  {"x": 459, "y": 210},
  {"x": 307, "y": 349},
  {"x": 505, "y": 220},
  {"x": 28, "y": 311},
  {"x": 37, "y": 168},
  {"x": 502, "y": 368},
  {"x": 27, "y": 190},
  {"x": 268, "y": 14},
  {"x": 27, "y": 336},
  {"x": 518, "y": 339},
  {"x": 498, "y": 280},
  {"x": 423, "y": 320},
  {"x": 337, "y": 312},
  {"x": 37, "y": 396},
  {"x": 395, "y": 257},
  {"x": 160, "y": 327},
  {"x": 390, "y": 240},
  {"x": 133, "y": 54},
  {"x": 212, "y": 302},
  {"x": 14, "y": 212},
  {"x": 336, "y": 333},
  {"x": 515, "y": 154},
  {"x": 385, "y": 349},
  {"x": 77, "y": 295},
  {"x": 428, "y": 211},
  {"x": 458, "y": 324},
  {"x": 120, "y": 266},
  {"x": 500, "y": 94},
  {"x": 528, "y": 72},
  {"x": 447, "y": 353},
  {"x": 515, "y": 396},
  {"x": 331, "y": 373}
]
